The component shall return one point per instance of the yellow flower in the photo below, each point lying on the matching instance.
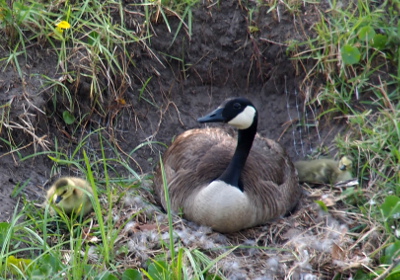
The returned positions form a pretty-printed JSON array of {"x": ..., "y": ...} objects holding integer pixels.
[
  {"x": 63, "y": 25},
  {"x": 60, "y": 28}
]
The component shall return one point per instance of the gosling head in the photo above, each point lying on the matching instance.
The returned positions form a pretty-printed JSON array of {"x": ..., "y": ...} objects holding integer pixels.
[
  {"x": 345, "y": 163},
  {"x": 64, "y": 188},
  {"x": 238, "y": 112}
]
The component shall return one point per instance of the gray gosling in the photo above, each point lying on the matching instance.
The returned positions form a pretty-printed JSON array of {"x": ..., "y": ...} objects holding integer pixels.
[
  {"x": 324, "y": 171},
  {"x": 70, "y": 195},
  {"x": 224, "y": 183}
]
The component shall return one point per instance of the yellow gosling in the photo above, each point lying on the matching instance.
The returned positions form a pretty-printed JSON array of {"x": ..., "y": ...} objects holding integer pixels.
[
  {"x": 70, "y": 195},
  {"x": 324, "y": 171}
]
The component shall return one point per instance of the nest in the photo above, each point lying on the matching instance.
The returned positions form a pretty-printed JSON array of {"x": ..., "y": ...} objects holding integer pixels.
[{"x": 313, "y": 243}]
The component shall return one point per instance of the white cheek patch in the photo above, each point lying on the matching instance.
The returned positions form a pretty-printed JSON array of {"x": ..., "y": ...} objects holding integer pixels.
[{"x": 245, "y": 119}]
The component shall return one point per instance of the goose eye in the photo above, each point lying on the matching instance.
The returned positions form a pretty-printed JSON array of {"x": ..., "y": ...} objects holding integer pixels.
[{"x": 237, "y": 106}]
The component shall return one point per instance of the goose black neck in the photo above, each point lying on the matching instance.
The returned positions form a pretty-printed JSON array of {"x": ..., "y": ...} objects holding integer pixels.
[{"x": 233, "y": 172}]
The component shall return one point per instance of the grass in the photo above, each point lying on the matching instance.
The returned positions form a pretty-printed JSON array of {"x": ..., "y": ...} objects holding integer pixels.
[
  {"x": 95, "y": 33},
  {"x": 355, "y": 52},
  {"x": 356, "y": 49},
  {"x": 62, "y": 247}
]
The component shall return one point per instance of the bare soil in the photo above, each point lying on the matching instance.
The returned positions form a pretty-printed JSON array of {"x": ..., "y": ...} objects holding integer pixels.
[{"x": 189, "y": 77}]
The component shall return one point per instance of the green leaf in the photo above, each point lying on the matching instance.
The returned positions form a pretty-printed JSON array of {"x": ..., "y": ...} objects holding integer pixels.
[
  {"x": 363, "y": 275},
  {"x": 106, "y": 276},
  {"x": 391, "y": 252},
  {"x": 54, "y": 262},
  {"x": 42, "y": 272},
  {"x": 391, "y": 207},
  {"x": 322, "y": 205},
  {"x": 379, "y": 41},
  {"x": 4, "y": 227},
  {"x": 131, "y": 274},
  {"x": 393, "y": 275},
  {"x": 367, "y": 33},
  {"x": 93, "y": 37},
  {"x": 350, "y": 54},
  {"x": 68, "y": 117},
  {"x": 159, "y": 270}
]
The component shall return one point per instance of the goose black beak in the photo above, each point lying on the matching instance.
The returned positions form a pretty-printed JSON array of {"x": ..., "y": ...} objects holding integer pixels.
[{"x": 214, "y": 116}]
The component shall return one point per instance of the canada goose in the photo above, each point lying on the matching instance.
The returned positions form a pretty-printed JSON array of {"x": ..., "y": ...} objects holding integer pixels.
[
  {"x": 70, "y": 194},
  {"x": 324, "y": 171},
  {"x": 223, "y": 187}
]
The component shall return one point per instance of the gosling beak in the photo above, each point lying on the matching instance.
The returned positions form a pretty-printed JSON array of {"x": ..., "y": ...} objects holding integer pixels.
[
  {"x": 343, "y": 167},
  {"x": 214, "y": 116},
  {"x": 58, "y": 199}
]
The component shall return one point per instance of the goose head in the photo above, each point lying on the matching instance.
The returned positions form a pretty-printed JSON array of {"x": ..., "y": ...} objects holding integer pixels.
[{"x": 238, "y": 112}]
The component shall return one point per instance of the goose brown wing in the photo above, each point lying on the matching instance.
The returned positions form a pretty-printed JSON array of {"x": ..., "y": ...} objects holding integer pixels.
[
  {"x": 193, "y": 160},
  {"x": 271, "y": 178}
]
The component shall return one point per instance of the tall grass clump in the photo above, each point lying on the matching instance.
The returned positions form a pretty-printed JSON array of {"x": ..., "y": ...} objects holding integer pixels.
[
  {"x": 36, "y": 245},
  {"x": 90, "y": 38},
  {"x": 353, "y": 45},
  {"x": 95, "y": 45}
]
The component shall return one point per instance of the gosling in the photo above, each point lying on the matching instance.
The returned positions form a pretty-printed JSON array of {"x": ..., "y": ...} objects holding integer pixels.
[
  {"x": 324, "y": 171},
  {"x": 70, "y": 195}
]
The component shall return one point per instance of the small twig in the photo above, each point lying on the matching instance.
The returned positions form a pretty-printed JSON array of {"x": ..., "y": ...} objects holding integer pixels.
[
  {"x": 273, "y": 42},
  {"x": 36, "y": 139},
  {"x": 16, "y": 150}
]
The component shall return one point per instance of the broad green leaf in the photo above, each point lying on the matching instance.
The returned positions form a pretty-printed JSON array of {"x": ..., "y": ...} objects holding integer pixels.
[
  {"x": 362, "y": 275},
  {"x": 391, "y": 207},
  {"x": 131, "y": 274},
  {"x": 394, "y": 275},
  {"x": 53, "y": 262},
  {"x": 367, "y": 33},
  {"x": 391, "y": 252},
  {"x": 379, "y": 41},
  {"x": 350, "y": 54},
  {"x": 68, "y": 117},
  {"x": 42, "y": 272},
  {"x": 106, "y": 276}
]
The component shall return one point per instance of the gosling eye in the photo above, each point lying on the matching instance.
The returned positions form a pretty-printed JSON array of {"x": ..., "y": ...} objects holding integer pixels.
[{"x": 237, "y": 106}]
